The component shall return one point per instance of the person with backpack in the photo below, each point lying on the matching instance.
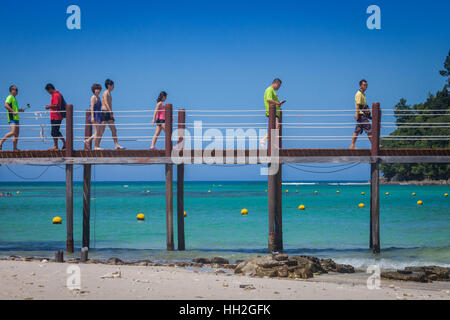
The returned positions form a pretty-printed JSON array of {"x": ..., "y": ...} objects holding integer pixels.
[{"x": 57, "y": 113}]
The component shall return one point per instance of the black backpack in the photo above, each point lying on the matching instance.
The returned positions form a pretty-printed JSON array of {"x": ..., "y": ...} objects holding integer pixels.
[{"x": 63, "y": 106}]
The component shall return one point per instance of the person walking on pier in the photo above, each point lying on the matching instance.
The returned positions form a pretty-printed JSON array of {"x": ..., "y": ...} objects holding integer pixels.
[
  {"x": 362, "y": 115},
  {"x": 57, "y": 107},
  {"x": 13, "y": 110},
  {"x": 107, "y": 113},
  {"x": 96, "y": 117},
  {"x": 159, "y": 117},
  {"x": 271, "y": 99}
]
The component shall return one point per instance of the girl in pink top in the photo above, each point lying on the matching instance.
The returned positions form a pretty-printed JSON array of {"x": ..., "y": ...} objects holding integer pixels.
[{"x": 159, "y": 117}]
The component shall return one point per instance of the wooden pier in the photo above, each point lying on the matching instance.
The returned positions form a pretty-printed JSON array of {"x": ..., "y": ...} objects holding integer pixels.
[{"x": 70, "y": 157}]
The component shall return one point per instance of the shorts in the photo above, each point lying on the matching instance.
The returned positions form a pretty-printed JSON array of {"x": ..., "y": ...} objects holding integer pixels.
[
  {"x": 56, "y": 124},
  {"x": 13, "y": 121},
  {"x": 160, "y": 122},
  {"x": 106, "y": 116},
  {"x": 363, "y": 125}
]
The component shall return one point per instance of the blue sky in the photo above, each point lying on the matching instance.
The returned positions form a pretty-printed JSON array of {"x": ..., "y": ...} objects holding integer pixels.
[{"x": 221, "y": 54}]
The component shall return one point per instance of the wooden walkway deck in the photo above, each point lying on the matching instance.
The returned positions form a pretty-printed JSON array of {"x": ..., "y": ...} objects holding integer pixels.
[{"x": 286, "y": 156}]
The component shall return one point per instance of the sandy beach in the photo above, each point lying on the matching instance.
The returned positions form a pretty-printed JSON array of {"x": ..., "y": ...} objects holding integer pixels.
[{"x": 38, "y": 280}]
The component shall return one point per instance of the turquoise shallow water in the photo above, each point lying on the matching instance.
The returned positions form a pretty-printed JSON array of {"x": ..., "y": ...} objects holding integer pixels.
[{"x": 331, "y": 226}]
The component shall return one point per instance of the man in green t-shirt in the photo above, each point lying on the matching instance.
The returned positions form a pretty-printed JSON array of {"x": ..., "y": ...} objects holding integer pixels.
[
  {"x": 271, "y": 99},
  {"x": 13, "y": 110}
]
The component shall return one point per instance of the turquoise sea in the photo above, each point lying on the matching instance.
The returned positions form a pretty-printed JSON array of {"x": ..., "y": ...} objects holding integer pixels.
[{"x": 331, "y": 226}]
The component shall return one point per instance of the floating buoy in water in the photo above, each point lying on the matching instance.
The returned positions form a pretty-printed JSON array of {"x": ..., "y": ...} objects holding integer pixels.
[
  {"x": 361, "y": 205},
  {"x": 413, "y": 194},
  {"x": 57, "y": 220},
  {"x": 363, "y": 193},
  {"x": 316, "y": 192},
  {"x": 140, "y": 217},
  {"x": 387, "y": 193},
  {"x": 209, "y": 191},
  {"x": 338, "y": 191},
  {"x": 148, "y": 191},
  {"x": 445, "y": 194},
  {"x": 244, "y": 212},
  {"x": 420, "y": 202},
  {"x": 18, "y": 192},
  {"x": 287, "y": 191},
  {"x": 301, "y": 207},
  {"x": 296, "y": 191},
  {"x": 185, "y": 214}
]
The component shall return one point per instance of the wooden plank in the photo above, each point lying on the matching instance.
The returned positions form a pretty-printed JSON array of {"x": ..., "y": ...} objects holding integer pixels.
[
  {"x": 166, "y": 160},
  {"x": 411, "y": 154},
  {"x": 69, "y": 207},
  {"x": 86, "y": 205}
]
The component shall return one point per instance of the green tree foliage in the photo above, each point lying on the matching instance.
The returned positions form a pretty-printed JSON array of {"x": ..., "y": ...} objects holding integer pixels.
[{"x": 418, "y": 117}]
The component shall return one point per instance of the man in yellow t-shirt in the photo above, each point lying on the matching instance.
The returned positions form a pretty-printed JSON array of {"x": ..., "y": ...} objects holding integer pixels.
[
  {"x": 271, "y": 99},
  {"x": 362, "y": 114},
  {"x": 13, "y": 110}
]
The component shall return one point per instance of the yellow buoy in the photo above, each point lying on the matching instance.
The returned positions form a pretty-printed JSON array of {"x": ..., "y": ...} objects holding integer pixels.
[
  {"x": 413, "y": 194},
  {"x": 316, "y": 192},
  {"x": 301, "y": 207},
  {"x": 445, "y": 194},
  {"x": 287, "y": 191},
  {"x": 420, "y": 202},
  {"x": 148, "y": 191},
  {"x": 338, "y": 191},
  {"x": 244, "y": 212},
  {"x": 363, "y": 193},
  {"x": 57, "y": 220},
  {"x": 361, "y": 205},
  {"x": 209, "y": 191},
  {"x": 185, "y": 214},
  {"x": 140, "y": 217},
  {"x": 387, "y": 193}
]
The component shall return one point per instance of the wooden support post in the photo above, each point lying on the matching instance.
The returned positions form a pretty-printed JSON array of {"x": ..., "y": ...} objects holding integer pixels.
[
  {"x": 375, "y": 181},
  {"x": 86, "y": 205},
  {"x": 69, "y": 177},
  {"x": 273, "y": 192},
  {"x": 69, "y": 130},
  {"x": 87, "y": 186},
  {"x": 169, "y": 180},
  {"x": 278, "y": 215},
  {"x": 180, "y": 183},
  {"x": 84, "y": 254},
  {"x": 59, "y": 256}
]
